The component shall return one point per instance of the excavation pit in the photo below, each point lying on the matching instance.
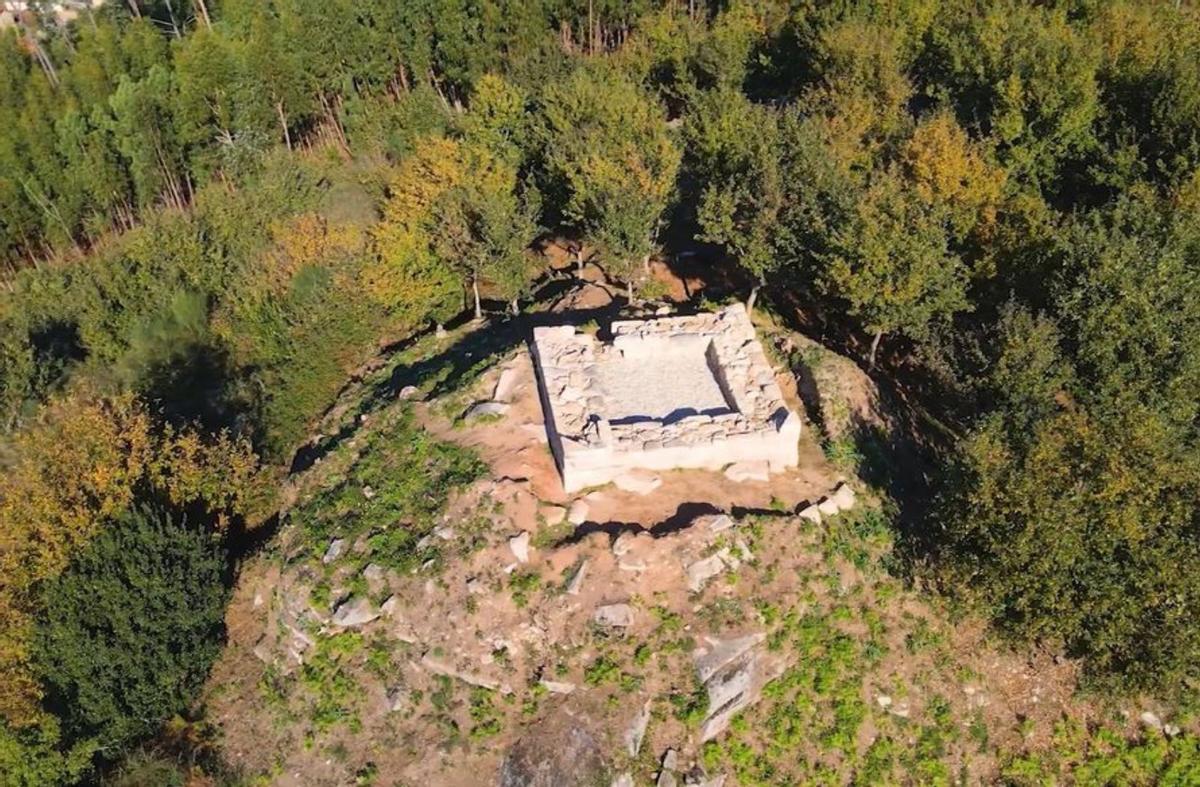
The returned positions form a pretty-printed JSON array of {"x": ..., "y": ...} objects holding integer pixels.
[{"x": 675, "y": 392}]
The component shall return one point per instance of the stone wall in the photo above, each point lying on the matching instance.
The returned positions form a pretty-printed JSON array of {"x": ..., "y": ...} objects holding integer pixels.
[{"x": 590, "y": 449}]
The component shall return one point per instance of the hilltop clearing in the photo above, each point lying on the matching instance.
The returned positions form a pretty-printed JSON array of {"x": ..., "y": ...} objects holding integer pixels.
[{"x": 437, "y": 611}]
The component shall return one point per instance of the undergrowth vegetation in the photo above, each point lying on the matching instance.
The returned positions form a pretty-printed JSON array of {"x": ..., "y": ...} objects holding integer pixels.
[{"x": 396, "y": 486}]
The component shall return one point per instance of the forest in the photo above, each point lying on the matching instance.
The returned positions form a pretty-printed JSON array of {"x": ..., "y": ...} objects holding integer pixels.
[{"x": 212, "y": 212}]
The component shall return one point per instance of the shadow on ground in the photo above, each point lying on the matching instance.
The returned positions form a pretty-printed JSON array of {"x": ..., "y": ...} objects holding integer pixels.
[{"x": 466, "y": 354}]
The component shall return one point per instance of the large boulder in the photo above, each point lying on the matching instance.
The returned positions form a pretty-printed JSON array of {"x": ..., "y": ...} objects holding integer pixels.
[
  {"x": 732, "y": 675},
  {"x": 354, "y": 612},
  {"x": 614, "y": 616},
  {"x": 561, "y": 751}
]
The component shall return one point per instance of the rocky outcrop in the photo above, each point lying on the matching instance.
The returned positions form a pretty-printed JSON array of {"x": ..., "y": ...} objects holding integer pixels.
[
  {"x": 485, "y": 410},
  {"x": 733, "y": 675},
  {"x": 560, "y": 752},
  {"x": 354, "y": 612},
  {"x": 613, "y": 616},
  {"x": 636, "y": 731}
]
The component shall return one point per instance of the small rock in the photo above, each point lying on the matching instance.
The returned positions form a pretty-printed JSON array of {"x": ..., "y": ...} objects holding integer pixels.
[
  {"x": 843, "y": 496},
  {"x": 637, "y": 482},
  {"x": 623, "y": 780},
  {"x": 622, "y": 544},
  {"x": 368, "y": 493},
  {"x": 506, "y": 384},
  {"x": 389, "y": 607},
  {"x": 397, "y": 698},
  {"x": 884, "y": 701},
  {"x": 258, "y": 599},
  {"x": 519, "y": 544},
  {"x": 481, "y": 409},
  {"x": 829, "y": 507},
  {"x": 557, "y": 687},
  {"x": 634, "y": 564},
  {"x": 748, "y": 471},
  {"x": 373, "y": 572},
  {"x": 1171, "y": 730},
  {"x": 578, "y": 512},
  {"x": 614, "y": 616},
  {"x": 701, "y": 571},
  {"x": 445, "y": 533},
  {"x": 262, "y": 649},
  {"x": 666, "y": 779},
  {"x": 576, "y": 582},
  {"x": 354, "y": 612},
  {"x": 670, "y": 760},
  {"x": 409, "y": 392},
  {"x": 1151, "y": 720},
  {"x": 554, "y": 515},
  {"x": 716, "y": 523},
  {"x": 336, "y": 547},
  {"x": 637, "y": 730},
  {"x": 728, "y": 670},
  {"x": 811, "y": 513},
  {"x": 475, "y": 586}
]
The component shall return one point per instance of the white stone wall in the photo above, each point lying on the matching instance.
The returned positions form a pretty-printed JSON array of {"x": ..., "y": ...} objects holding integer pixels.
[{"x": 590, "y": 450}]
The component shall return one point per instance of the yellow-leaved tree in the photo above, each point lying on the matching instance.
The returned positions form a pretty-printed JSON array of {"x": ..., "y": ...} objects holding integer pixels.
[
  {"x": 85, "y": 461},
  {"x": 406, "y": 277}
]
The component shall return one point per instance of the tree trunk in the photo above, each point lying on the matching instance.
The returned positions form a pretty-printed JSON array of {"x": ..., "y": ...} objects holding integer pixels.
[
  {"x": 646, "y": 264},
  {"x": 475, "y": 291},
  {"x": 629, "y": 290},
  {"x": 752, "y": 299},
  {"x": 133, "y": 9},
  {"x": 579, "y": 261},
  {"x": 43, "y": 59},
  {"x": 174, "y": 22},
  {"x": 514, "y": 307},
  {"x": 203, "y": 6},
  {"x": 287, "y": 136},
  {"x": 339, "y": 135},
  {"x": 874, "y": 348}
]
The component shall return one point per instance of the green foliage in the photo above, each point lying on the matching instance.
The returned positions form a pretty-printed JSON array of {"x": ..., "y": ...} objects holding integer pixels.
[
  {"x": 1101, "y": 757},
  {"x": 1091, "y": 515},
  {"x": 131, "y": 628},
  {"x": 610, "y": 160},
  {"x": 394, "y": 493},
  {"x": 523, "y": 584},
  {"x": 732, "y": 145},
  {"x": 894, "y": 265},
  {"x": 332, "y": 693},
  {"x": 486, "y": 720}
]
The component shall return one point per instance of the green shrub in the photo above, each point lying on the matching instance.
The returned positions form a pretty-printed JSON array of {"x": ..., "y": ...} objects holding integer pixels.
[{"x": 131, "y": 628}]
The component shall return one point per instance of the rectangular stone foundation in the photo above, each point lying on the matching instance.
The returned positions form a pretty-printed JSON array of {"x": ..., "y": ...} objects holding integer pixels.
[{"x": 675, "y": 392}]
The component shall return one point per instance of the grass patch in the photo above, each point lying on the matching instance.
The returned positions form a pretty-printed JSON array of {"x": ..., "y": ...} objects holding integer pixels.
[{"x": 393, "y": 494}]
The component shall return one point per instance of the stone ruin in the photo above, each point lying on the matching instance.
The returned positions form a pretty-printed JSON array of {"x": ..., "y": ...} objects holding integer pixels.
[{"x": 691, "y": 391}]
